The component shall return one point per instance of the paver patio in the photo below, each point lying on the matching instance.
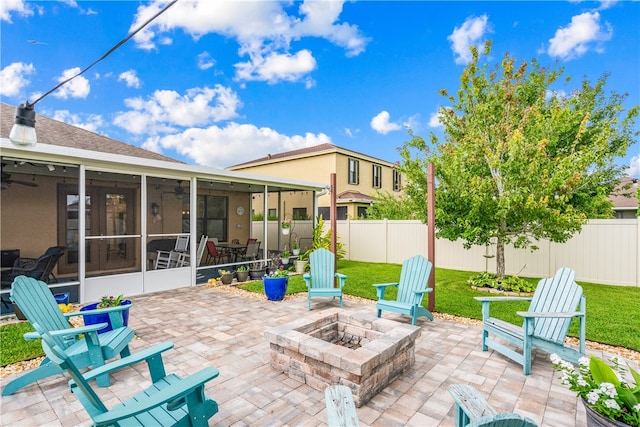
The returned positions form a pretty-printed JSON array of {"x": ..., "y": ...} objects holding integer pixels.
[{"x": 212, "y": 327}]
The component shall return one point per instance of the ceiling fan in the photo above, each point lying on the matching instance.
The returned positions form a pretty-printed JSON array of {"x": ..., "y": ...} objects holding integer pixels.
[
  {"x": 7, "y": 181},
  {"x": 178, "y": 191}
]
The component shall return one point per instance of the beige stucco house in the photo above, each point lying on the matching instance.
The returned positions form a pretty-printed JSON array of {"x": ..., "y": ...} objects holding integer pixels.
[
  {"x": 625, "y": 198},
  {"x": 358, "y": 178},
  {"x": 111, "y": 205}
]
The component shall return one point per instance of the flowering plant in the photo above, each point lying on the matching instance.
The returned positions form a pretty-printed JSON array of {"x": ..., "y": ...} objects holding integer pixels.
[
  {"x": 605, "y": 389},
  {"x": 110, "y": 301},
  {"x": 279, "y": 272},
  {"x": 295, "y": 244}
]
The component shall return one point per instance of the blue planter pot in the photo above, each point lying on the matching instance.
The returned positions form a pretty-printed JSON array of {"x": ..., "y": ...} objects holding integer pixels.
[
  {"x": 275, "y": 287},
  {"x": 92, "y": 319}
]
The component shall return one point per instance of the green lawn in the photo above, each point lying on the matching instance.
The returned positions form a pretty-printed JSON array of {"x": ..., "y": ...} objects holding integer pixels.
[{"x": 612, "y": 311}]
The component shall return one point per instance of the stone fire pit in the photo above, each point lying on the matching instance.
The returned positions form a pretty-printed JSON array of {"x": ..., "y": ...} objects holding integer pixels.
[{"x": 337, "y": 347}]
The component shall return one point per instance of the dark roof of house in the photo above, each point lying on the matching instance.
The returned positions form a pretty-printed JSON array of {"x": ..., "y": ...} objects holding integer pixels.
[
  {"x": 58, "y": 133},
  {"x": 355, "y": 195},
  {"x": 301, "y": 152},
  {"x": 625, "y": 198}
]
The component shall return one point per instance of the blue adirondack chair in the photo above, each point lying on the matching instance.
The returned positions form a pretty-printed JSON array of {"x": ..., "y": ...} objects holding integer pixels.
[
  {"x": 320, "y": 280},
  {"x": 546, "y": 322},
  {"x": 341, "y": 409},
  {"x": 84, "y": 345},
  {"x": 412, "y": 286},
  {"x": 471, "y": 409},
  {"x": 169, "y": 401}
]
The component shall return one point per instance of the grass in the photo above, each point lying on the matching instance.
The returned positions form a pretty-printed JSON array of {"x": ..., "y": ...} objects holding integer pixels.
[{"x": 612, "y": 311}]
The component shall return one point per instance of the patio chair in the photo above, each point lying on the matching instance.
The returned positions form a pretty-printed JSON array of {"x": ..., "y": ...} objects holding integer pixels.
[
  {"x": 83, "y": 345},
  {"x": 169, "y": 401},
  {"x": 184, "y": 259},
  {"x": 171, "y": 259},
  {"x": 545, "y": 325},
  {"x": 320, "y": 280},
  {"x": 341, "y": 409},
  {"x": 40, "y": 268},
  {"x": 413, "y": 284},
  {"x": 251, "y": 251},
  {"x": 471, "y": 409},
  {"x": 214, "y": 255}
]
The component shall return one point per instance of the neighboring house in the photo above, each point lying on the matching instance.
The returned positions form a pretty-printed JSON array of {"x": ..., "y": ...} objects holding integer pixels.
[
  {"x": 358, "y": 178},
  {"x": 625, "y": 200},
  {"x": 111, "y": 205}
]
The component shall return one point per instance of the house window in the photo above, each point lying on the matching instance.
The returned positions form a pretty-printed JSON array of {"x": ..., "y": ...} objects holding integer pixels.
[
  {"x": 212, "y": 218},
  {"x": 300, "y": 213},
  {"x": 397, "y": 181},
  {"x": 272, "y": 214},
  {"x": 377, "y": 176},
  {"x": 354, "y": 171}
]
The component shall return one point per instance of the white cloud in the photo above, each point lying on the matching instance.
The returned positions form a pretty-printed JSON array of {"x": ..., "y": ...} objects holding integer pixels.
[
  {"x": 276, "y": 67},
  {"x": 76, "y": 88},
  {"x": 232, "y": 144},
  {"x": 634, "y": 167},
  {"x": 166, "y": 110},
  {"x": 130, "y": 78},
  {"x": 381, "y": 123},
  {"x": 470, "y": 33},
  {"x": 91, "y": 123},
  {"x": 434, "y": 120},
  {"x": 7, "y": 7},
  {"x": 351, "y": 133},
  {"x": 12, "y": 78},
  {"x": 584, "y": 33},
  {"x": 205, "y": 61},
  {"x": 263, "y": 30}
]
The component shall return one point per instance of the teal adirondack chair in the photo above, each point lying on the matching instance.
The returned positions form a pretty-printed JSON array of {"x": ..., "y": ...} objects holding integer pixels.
[
  {"x": 546, "y": 322},
  {"x": 320, "y": 280},
  {"x": 472, "y": 410},
  {"x": 169, "y": 401},
  {"x": 413, "y": 284},
  {"x": 35, "y": 300}
]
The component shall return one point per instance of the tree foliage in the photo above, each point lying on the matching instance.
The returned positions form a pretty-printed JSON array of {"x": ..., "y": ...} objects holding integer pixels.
[{"x": 520, "y": 162}]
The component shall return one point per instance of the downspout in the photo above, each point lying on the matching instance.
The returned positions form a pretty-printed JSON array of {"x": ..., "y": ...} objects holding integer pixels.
[{"x": 324, "y": 191}]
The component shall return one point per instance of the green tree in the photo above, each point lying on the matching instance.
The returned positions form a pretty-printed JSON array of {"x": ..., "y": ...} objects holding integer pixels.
[
  {"x": 520, "y": 162},
  {"x": 389, "y": 206}
]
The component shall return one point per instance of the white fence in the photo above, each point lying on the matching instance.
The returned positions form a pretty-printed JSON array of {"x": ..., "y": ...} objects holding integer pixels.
[{"x": 605, "y": 251}]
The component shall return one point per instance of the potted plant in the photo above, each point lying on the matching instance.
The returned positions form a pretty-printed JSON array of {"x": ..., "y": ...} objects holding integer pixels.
[
  {"x": 242, "y": 273},
  {"x": 608, "y": 395},
  {"x": 295, "y": 247},
  {"x": 106, "y": 302},
  {"x": 301, "y": 262},
  {"x": 256, "y": 270},
  {"x": 286, "y": 227},
  {"x": 284, "y": 256},
  {"x": 226, "y": 276},
  {"x": 275, "y": 284}
]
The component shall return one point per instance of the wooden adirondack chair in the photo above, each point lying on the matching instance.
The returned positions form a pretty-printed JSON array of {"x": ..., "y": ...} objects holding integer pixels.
[
  {"x": 471, "y": 409},
  {"x": 169, "y": 401},
  {"x": 545, "y": 325},
  {"x": 412, "y": 286},
  {"x": 341, "y": 409},
  {"x": 320, "y": 280},
  {"x": 39, "y": 306}
]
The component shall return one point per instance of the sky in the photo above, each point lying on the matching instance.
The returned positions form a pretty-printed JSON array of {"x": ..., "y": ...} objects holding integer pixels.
[{"x": 217, "y": 83}]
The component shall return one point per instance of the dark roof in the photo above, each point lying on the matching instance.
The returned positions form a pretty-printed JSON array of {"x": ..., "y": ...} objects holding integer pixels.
[
  {"x": 301, "y": 152},
  {"x": 625, "y": 198},
  {"x": 55, "y": 132},
  {"x": 355, "y": 195}
]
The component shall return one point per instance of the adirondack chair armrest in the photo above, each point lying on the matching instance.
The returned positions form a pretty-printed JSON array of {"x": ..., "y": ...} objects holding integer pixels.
[
  {"x": 498, "y": 299},
  {"x": 342, "y": 279},
  {"x": 106, "y": 310},
  {"x": 382, "y": 287},
  {"x": 307, "y": 280},
  {"x": 79, "y": 330},
  {"x": 169, "y": 394},
  {"x": 559, "y": 315},
  {"x": 141, "y": 356},
  {"x": 30, "y": 336}
]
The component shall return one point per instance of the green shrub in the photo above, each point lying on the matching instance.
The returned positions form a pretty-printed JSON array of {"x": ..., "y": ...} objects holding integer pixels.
[{"x": 508, "y": 283}]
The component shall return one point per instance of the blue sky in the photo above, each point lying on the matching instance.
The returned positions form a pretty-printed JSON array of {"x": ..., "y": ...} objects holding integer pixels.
[{"x": 222, "y": 82}]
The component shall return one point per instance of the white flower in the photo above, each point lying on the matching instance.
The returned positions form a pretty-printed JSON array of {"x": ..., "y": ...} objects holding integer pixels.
[
  {"x": 582, "y": 382},
  {"x": 610, "y": 403},
  {"x": 584, "y": 361},
  {"x": 608, "y": 389},
  {"x": 567, "y": 365},
  {"x": 555, "y": 359},
  {"x": 637, "y": 407},
  {"x": 592, "y": 397}
]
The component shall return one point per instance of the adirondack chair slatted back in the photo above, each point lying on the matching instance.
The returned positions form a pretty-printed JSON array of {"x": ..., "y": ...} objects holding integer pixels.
[
  {"x": 39, "y": 306},
  {"x": 555, "y": 295},
  {"x": 414, "y": 277},
  {"x": 322, "y": 265}
]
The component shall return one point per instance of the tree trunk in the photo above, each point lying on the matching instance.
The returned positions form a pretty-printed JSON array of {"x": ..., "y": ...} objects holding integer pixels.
[{"x": 500, "y": 258}]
